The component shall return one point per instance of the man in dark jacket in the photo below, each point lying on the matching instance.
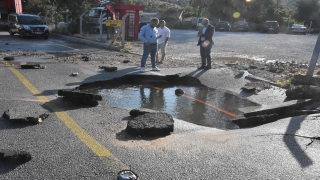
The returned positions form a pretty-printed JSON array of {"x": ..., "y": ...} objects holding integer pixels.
[{"x": 205, "y": 42}]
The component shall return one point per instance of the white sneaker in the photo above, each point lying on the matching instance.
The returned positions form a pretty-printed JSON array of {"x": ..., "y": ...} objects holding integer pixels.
[
  {"x": 142, "y": 69},
  {"x": 155, "y": 69}
]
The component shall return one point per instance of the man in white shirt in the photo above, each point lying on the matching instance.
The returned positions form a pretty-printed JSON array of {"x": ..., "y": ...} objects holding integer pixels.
[{"x": 163, "y": 41}]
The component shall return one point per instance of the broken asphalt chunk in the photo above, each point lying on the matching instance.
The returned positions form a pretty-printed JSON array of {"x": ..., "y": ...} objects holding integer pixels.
[
  {"x": 137, "y": 112},
  {"x": 303, "y": 92},
  {"x": 151, "y": 124},
  {"x": 256, "y": 120},
  {"x": 282, "y": 109},
  {"x": 85, "y": 58},
  {"x": 8, "y": 58},
  {"x": 80, "y": 97},
  {"x": 30, "y": 66},
  {"x": 109, "y": 68},
  {"x": 126, "y": 61},
  {"x": 16, "y": 117}
]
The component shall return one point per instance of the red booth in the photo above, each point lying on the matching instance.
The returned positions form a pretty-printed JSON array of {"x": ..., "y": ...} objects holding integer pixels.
[{"x": 132, "y": 22}]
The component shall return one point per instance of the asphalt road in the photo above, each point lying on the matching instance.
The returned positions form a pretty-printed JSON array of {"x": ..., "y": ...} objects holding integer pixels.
[
  {"x": 90, "y": 143},
  {"x": 247, "y": 45}
]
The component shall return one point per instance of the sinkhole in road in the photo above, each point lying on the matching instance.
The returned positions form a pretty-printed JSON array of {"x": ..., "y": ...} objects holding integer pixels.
[{"x": 199, "y": 104}]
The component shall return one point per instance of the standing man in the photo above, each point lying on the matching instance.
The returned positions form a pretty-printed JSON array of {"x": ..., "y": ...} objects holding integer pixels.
[
  {"x": 149, "y": 35},
  {"x": 163, "y": 41},
  {"x": 205, "y": 42}
]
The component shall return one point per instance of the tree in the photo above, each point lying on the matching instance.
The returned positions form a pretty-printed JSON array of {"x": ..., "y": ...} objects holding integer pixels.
[
  {"x": 308, "y": 10},
  {"x": 201, "y": 5}
]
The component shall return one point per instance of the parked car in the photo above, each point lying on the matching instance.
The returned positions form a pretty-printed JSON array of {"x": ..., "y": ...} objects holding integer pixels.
[
  {"x": 270, "y": 26},
  {"x": 241, "y": 26},
  {"x": 27, "y": 25},
  {"x": 298, "y": 29},
  {"x": 223, "y": 26},
  {"x": 199, "y": 24}
]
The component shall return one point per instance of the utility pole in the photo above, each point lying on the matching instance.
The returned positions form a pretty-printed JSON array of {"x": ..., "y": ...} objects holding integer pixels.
[{"x": 314, "y": 59}]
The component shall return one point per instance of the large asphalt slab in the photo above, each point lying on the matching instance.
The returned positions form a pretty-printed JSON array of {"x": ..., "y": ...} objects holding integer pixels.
[{"x": 286, "y": 149}]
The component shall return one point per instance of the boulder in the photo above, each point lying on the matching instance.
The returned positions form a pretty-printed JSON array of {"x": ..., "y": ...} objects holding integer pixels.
[{"x": 151, "y": 124}]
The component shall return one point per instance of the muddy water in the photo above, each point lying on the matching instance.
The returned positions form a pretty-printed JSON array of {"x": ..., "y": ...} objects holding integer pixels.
[{"x": 199, "y": 105}]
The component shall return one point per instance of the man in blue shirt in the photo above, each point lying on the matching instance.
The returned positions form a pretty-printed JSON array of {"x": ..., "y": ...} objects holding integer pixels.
[{"x": 149, "y": 35}]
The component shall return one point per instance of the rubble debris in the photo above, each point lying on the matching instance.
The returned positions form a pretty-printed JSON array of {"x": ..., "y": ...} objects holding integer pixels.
[
  {"x": 109, "y": 68},
  {"x": 85, "y": 58},
  {"x": 303, "y": 92},
  {"x": 137, "y": 112},
  {"x": 255, "y": 120},
  {"x": 303, "y": 80},
  {"x": 14, "y": 156},
  {"x": 256, "y": 86},
  {"x": 75, "y": 74},
  {"x": 36, "y": 120},
  {"x": 80, "y": 97},
  {"x": 32, "y": 66},
  {"x": 179, "y": 92},
  {"x": 151, "y": 124},
  {"x": 8, "y": 58}
]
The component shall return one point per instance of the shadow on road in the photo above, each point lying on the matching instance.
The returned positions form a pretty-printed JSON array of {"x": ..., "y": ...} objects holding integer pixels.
[{"x": 293, "y": 145}]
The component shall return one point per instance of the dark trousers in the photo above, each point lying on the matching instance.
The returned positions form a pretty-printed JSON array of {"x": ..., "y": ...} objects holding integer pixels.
[{"x": 205, "y": 55}]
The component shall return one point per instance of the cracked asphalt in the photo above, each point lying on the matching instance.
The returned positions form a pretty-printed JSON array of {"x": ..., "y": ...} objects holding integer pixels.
[{"x": 285, "y": 149}]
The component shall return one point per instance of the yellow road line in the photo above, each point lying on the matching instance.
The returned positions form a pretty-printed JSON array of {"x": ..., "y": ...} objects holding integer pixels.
[{"x": 104, "y": 154}]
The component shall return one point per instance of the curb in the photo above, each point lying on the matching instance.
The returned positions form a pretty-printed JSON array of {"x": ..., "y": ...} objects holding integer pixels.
[{"x": 87, "y": 42}]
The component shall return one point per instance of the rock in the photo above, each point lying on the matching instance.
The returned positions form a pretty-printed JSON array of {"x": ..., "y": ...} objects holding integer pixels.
[
  {"x": 179, "y": 92},
  {"x": 137, "y": 112},
  {"x": 85, "y": 58},
  {"x": 6, "y": 43},
  {"x": 8, "y": 58},
  {"x": 303, "y": 92},
  {"x": 126, "y": 61},
  {"x": 256, "y": 120},
  {"x": 75, "y": 74},
  {"x": 109, "y": 68},
  {"x": 253, "y": 67},
  {"x": 256, "y": 86},
  {"x": 151, "y": 124}
]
